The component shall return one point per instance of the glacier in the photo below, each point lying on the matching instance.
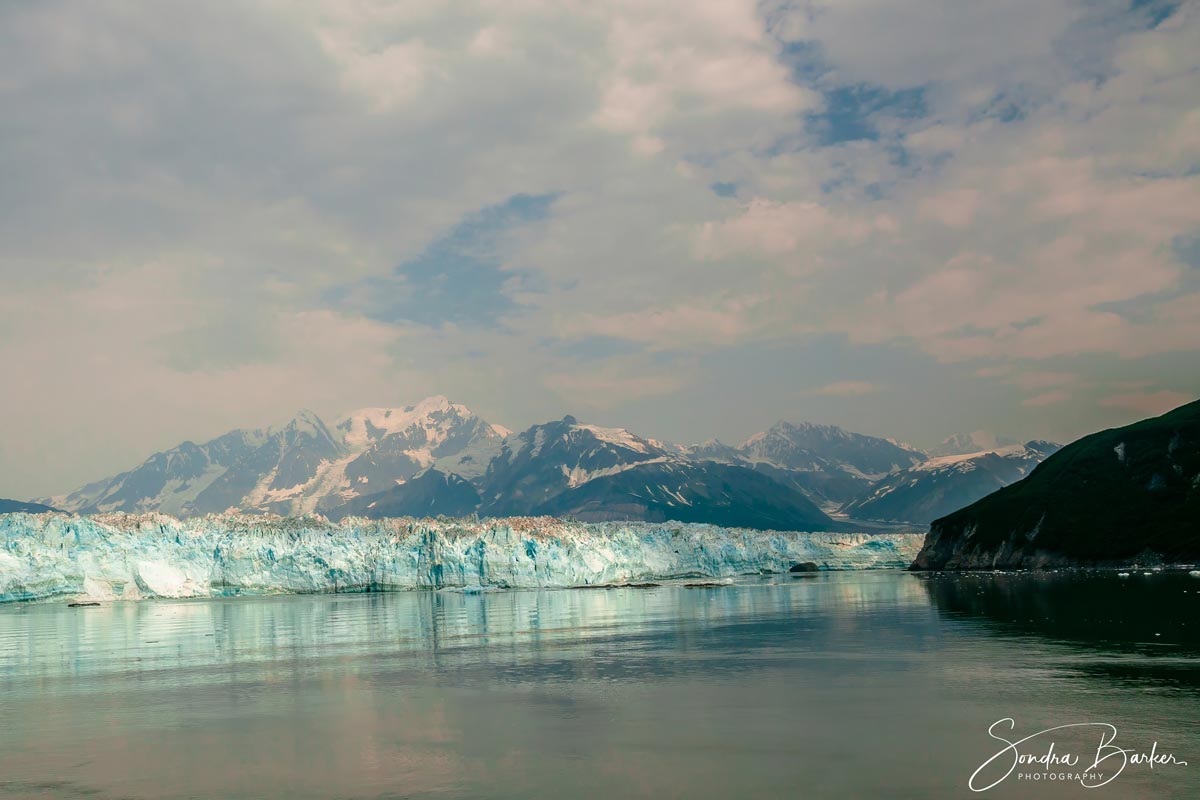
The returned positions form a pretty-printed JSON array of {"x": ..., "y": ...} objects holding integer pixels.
[{"x": 121, "y": 556}]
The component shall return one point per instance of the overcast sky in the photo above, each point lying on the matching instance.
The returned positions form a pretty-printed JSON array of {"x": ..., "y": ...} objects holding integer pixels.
[{"x": 690, "y": 218}]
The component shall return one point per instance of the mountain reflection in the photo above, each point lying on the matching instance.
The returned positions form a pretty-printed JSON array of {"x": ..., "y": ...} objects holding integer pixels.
[{"x": 1133, "y": 626}]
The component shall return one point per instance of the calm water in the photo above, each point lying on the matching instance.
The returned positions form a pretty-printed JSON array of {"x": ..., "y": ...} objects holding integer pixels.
[{"x": 837, "y": 685}]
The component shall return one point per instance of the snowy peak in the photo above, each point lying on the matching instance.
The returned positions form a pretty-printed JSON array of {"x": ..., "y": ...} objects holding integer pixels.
[
  {"x": 573, "y": 444},
  {"x": 1031, "y": 452},
  {"x": 394, "y": 444},
  {"x": 169, "y": 481},
  {"x": 944, "y": 484},
  {"x": 302, "y": 465},
  {"x": 367, "y": 425},
  {"x": 714, "y": 450},
  {"x": 429, "y": 422},
  {"x": 620, "y": 438},
  {"x": 810, "y": 447},
  {"x": 546, "y": 459},
  {"x": 437, "y": 456},
  {"x": 973, "y": 442},
  {"x": 306, "y": 428},
  {"x": 567, "y": 467}
]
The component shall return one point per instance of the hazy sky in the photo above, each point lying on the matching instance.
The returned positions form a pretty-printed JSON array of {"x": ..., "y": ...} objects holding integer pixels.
[{"x": 690, "y": 218}]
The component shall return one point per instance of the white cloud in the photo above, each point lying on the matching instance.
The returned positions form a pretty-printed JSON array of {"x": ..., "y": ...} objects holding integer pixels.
[
  {"x": 1050, "y": 398},
  {"x": 779, "y": 229},
  {"x": 599, "y": 389},
  {"x": 707, "y": 63},
  {"x": 718, "y": 320},
  {"x": 846, "y": 389}
]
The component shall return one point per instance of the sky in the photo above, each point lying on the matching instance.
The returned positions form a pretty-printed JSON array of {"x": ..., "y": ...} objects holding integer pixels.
[{"x": 686, "y": 217}]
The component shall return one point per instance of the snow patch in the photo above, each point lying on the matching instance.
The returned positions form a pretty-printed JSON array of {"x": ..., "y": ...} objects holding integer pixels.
[{"x": 616, "y": 436}]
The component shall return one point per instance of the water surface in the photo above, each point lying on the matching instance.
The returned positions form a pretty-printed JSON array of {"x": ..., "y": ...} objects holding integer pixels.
[{"x": 852, "y": 684}]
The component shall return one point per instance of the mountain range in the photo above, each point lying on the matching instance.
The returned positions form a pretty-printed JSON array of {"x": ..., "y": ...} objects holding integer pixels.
[
  {"x": 439, "y": 458},
  {"x": 944, "y": 484}
]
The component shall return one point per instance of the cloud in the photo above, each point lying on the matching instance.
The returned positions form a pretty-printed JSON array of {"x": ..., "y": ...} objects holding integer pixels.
[
  {"x": 221, "y": 214},
  {"x": 845, "y": 389},
  {"x": 1050, "y": 398},
  {"x": 1041, "y": 379},
  {"x": 779, "y": 229},
  {"x": 614, "y": 383},
  {"x": 707, "y": 65},
  {"x": 718, "y": 320}
]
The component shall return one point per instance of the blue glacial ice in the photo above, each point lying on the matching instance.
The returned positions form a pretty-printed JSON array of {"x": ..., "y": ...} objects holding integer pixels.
[{"x": 135, "y": 556}]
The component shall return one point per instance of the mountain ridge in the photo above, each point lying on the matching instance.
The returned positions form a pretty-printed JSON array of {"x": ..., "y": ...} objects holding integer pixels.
[
  {"x": 944, "y": 484},
  {"x": 438, "y": 457}
]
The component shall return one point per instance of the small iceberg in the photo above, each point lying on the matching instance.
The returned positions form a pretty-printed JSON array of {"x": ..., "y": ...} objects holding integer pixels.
[{"x": 474, "y": 588}]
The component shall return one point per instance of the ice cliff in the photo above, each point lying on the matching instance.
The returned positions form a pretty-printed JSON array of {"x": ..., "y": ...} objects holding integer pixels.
[{"x": 132, "y": 556}]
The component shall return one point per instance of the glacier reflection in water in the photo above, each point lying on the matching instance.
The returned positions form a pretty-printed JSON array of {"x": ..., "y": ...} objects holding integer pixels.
[{"x": 839, "y": 684}]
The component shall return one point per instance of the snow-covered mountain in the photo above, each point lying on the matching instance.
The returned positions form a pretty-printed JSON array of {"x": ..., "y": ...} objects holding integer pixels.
[
  {"x": 300, "y": 467},
  {"x": 439, "y": 458},
  {"x": 945, "y": 484},
  {"x": 812, "y": 448},
  {"x": 389, "y": 446},
  {"x": 572, "y": 469},
  {"x": 973, "y": 442},
  {"x": 554, "y": 457},
  {"x": 828, "y": 464},
  {"x": 193, "y": 478},
  {"x": 567, "y": 468},
  {"x": 714, "y": 450}
]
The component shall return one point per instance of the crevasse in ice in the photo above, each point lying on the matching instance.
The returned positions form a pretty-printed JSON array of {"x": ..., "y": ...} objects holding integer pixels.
[{"x": 131, "y": 556}]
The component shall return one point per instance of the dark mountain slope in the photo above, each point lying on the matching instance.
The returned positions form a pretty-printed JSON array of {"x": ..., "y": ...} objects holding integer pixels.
[
  {"x": 430, "y": 494},
  {"x": 14, "y": 506},
  {"x": 1118, "y": 496},
  {"x": 719, "y": 494}
]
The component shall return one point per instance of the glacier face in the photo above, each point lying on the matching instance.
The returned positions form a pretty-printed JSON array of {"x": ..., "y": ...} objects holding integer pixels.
[{"x": 134, "y": 556}]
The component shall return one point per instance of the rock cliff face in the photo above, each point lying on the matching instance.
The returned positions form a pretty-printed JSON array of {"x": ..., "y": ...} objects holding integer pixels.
[{"x": 1125, "y": 495}]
